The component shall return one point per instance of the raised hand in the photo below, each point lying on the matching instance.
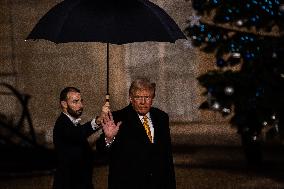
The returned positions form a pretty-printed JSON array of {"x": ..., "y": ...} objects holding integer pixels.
[
  {"x": 109, "y": 127},
  {"x": 104, "y": 113}
]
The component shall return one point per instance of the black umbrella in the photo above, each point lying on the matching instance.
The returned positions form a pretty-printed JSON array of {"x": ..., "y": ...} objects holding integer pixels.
[{"x": 107, "y": 21}]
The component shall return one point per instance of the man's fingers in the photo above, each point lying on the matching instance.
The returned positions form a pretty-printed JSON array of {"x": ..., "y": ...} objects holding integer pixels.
[
  {"x": 119, "y": 123},
  {"x": 106, "y": 107},
  {"x": 110, "y": 115},
  {"x": 106, "y": 119},
  {"x": 103, "y": 124},
  {"x": 107, "y": 104}
]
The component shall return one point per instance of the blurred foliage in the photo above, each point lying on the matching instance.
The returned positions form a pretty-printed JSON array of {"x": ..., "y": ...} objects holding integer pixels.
[{"x": 247, "y": 40}]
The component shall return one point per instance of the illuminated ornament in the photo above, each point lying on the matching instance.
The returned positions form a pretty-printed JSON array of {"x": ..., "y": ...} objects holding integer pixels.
[
  {"x": 213, "y": 40},
  {"x": 248, "y": 55},
  {"x": 229, "y": 90},
  {"x": 240, "y": 23},
  {"x": 216, "y": 106},
  {"x": 274, "y": 55},
  {"x": 227, "y": 18},
  {"x": 215, "y": 2},
  {"x": 254, "y": 138},
  {"x": 248, "y": 5},
  {"x": 194, "y": 19},
  {"x": 276, "y": 127},
  {"x": 236, "y": 55},
  {"x": 259, "y": 92},
  {"x": 265, "y": 123},
  {"x": 202, "y": 27},
  {"x": 221, "y": 62},
  {"x": 254, "y": 19},
  {"x": 226, "y": 110},
  {"x": 273, "y": 117}
]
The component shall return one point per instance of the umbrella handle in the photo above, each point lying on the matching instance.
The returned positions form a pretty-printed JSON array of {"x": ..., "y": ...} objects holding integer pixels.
[
  {"x": 107, "y": 100},
  {"x": 107, "y": 97},
  {"x": 106, "y": 106}
]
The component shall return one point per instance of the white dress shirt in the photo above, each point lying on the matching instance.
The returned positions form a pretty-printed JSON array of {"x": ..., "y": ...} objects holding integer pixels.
[
  {"x": 150, "y": 124},
  {"x": 75, "y": 121}
]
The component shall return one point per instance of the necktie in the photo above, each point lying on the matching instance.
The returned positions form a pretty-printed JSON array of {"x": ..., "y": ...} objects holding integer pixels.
[{"x": 147, "y": 128}]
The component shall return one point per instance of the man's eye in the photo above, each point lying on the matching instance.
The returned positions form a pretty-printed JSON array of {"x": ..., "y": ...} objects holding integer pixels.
[{"x": 142, "y": 97}]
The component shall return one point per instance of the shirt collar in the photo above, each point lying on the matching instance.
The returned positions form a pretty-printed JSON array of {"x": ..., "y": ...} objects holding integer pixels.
[
  {"x": 141, "y": 117},
  {"x": 72, "y": 119}
]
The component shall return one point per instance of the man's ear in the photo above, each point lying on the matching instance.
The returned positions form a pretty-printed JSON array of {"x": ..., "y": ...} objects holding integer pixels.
[
  {"x": 130, "y": 99},
  {"x": 63, "y": 104}
]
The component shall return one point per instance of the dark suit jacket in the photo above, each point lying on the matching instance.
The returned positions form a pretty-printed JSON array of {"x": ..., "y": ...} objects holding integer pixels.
[
  {"x": 74, "y": 154},
  {"x": 135, "y": 162}
]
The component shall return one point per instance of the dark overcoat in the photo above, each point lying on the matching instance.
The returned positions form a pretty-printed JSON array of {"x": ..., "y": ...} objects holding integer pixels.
[
  {"x": 74, "y": 155},
  {"x": 135, "y": 162}
]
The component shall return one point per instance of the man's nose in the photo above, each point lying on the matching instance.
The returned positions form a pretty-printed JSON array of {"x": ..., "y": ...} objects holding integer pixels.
[
  {"x": 143, "y": 100},
  {"x": 81, "y": 105}
]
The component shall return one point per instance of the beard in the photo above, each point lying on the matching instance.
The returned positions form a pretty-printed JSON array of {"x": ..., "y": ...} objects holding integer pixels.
[{"x": 75, "y": 113}]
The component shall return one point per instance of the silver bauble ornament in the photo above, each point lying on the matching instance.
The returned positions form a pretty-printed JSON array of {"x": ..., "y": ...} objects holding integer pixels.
[
  {"x": 229, "y": 90},
  {"x": 240, "y": 23},
  {"x": 216, "y": 106},
  {"x": 236, "y": 55}
]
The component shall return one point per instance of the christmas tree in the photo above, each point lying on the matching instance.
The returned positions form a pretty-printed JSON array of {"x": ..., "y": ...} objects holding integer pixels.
[{"x": 247, "y": 82}]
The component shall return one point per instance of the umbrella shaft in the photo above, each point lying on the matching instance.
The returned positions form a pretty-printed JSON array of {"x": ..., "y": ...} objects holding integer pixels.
[{"x": 107, "y": 68}]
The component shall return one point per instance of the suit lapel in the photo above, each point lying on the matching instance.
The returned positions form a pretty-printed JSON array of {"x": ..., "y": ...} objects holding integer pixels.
[
  {"x": 137, "y": 125},
  {"x": 156, "y": 123}
]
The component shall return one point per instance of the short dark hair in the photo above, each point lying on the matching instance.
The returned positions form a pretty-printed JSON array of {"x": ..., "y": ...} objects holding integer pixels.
[
  {"x": 65, "y": 91},
  {"x": 141, "y": 84}
]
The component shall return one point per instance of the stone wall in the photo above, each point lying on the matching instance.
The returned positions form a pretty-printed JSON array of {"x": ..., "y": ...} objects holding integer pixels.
[{"x": 41, "y": 69}]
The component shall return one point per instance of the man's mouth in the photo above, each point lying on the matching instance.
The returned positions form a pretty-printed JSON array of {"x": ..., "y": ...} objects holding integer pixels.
[{"x": 142, "y": 107}]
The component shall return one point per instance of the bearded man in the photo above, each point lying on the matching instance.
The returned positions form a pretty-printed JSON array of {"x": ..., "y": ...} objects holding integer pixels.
[{"x": 74, "y": 154}]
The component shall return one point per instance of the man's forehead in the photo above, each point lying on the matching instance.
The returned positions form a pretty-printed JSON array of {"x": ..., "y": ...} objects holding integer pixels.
[
  {"x": 142, "y": 92},
  {"x": 73, "y": 94}
]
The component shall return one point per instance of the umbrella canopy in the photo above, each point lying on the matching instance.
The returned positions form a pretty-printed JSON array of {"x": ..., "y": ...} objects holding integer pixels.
[{"x": 107, "y": 21}]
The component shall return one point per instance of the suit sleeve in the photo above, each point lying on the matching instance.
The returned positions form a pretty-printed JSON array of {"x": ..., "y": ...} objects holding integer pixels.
[{"x": 73, "y": 134}]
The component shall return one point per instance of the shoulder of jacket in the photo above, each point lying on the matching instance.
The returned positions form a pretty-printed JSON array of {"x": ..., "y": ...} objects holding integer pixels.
[
  {"x": 123, "y": 110},
  {"x": 158, "y": 111},
  {"x": 62, "y": 120}
]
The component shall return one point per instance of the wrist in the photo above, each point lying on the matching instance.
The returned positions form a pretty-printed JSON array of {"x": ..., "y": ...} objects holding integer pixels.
[
  {"x": 109, "y": 140},
  {"x": 98, "y": 120}
]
